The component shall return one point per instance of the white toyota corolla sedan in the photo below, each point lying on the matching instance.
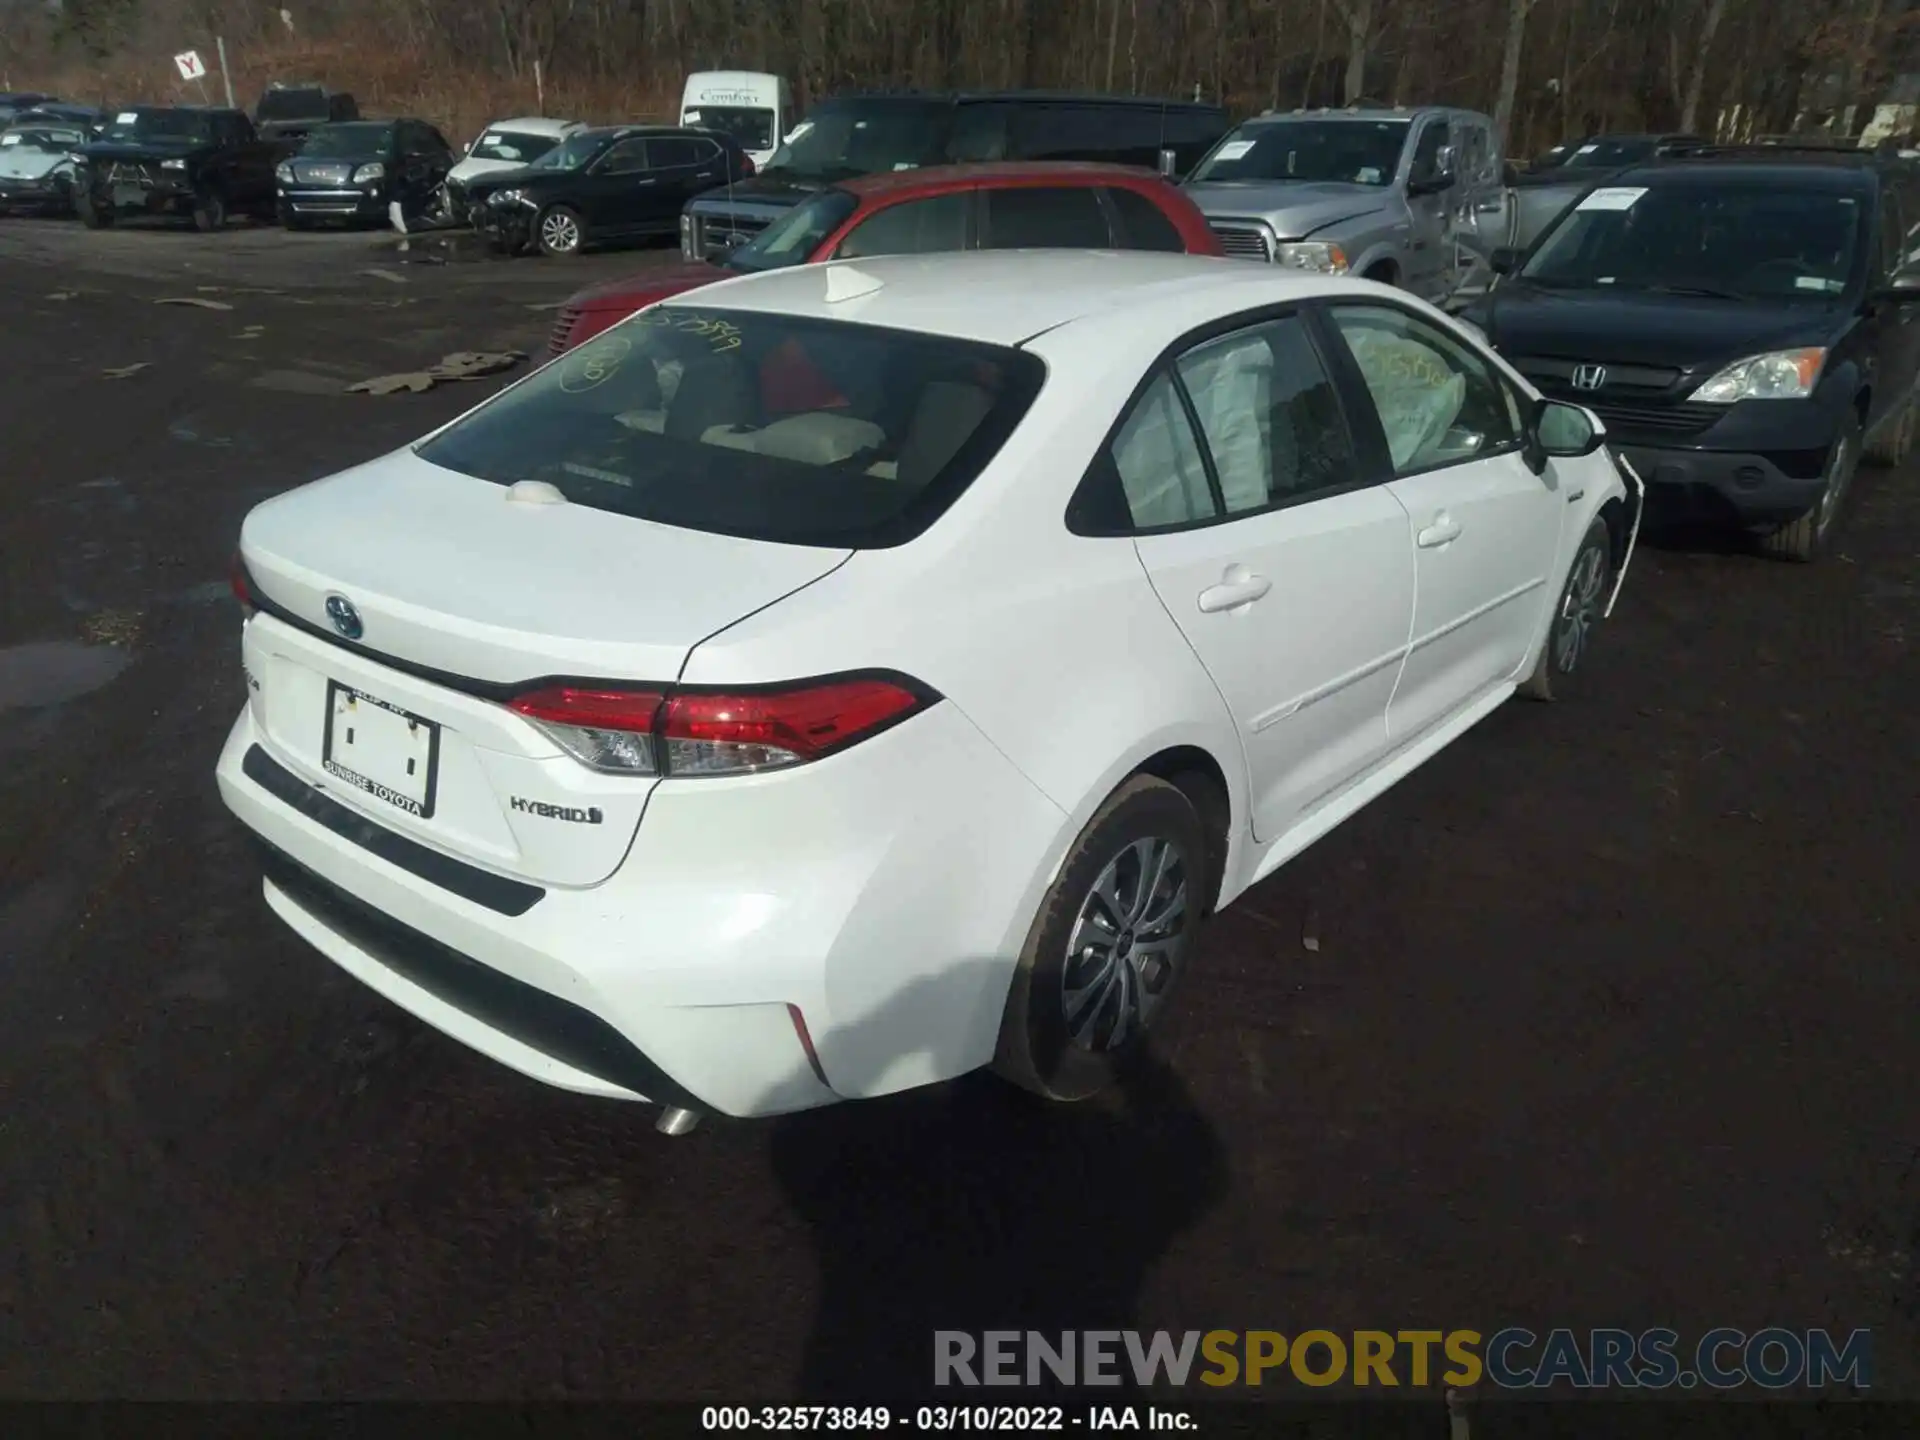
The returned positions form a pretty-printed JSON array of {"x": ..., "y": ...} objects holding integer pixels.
[{"x": 854, "y": 675}]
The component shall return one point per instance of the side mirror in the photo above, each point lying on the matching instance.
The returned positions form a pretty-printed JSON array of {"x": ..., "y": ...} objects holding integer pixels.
[
  {"x": 1506, "y": 259},
  {"x": 1169, "y": 164},
  {"x": 1443, "y": 162},
  {"x": 1903, "y": 289},
  {"x": 1562, "y": 431}
]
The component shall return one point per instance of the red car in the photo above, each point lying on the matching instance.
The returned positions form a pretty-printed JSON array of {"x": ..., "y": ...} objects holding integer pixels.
[{"x": 950, "y": 207}]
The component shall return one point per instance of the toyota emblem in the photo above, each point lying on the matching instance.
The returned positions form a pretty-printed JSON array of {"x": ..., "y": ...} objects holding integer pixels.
[
  {"x": 1589, "y": 377},
  {"x": 345, "y": 618}
]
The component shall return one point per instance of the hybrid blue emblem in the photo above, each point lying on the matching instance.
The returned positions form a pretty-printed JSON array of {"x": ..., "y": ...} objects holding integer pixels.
[{"x": 345, "y": 618}]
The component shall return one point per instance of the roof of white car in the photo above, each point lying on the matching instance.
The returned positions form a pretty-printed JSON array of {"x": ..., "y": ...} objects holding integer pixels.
[
  {"x": 1004, "y": 297},
  {"x": 536, "y": 125}
]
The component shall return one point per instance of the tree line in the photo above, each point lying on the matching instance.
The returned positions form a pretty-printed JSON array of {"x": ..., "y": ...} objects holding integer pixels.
[{"x": 1546, "y": 69}]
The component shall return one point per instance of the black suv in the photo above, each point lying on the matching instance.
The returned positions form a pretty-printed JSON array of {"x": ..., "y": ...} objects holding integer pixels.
[
  {"x": 623, "y": 182},
  {"x": 355, "y": 169},
  {"x": 292, "y": 110},
  {"x": 1745, "y": 321},
  {"x": 191, "y": 160},
  {"x": 852, "y": 135}
]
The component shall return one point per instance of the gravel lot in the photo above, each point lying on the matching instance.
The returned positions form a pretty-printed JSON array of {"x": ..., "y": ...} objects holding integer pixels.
[{"x": 1611, "y": 1019}]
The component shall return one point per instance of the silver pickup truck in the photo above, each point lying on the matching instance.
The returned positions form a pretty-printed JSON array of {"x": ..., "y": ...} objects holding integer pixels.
[{"x": 1413, "y": 197}]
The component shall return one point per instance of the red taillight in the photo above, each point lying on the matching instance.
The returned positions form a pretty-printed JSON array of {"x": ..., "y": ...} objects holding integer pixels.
[
  {"x": 746, "y": 165},
  {"x": 697, "y": 732},
  {"x": 242, "y": 584},
  {"x": 709, "y": 734}
]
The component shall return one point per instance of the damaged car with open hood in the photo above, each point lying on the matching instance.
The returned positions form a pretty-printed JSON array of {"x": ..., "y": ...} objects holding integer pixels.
[{"x": 37, "y": 167}]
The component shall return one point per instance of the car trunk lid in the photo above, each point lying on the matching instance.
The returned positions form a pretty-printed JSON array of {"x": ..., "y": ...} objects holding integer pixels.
[{"x": 405, "y": 604}]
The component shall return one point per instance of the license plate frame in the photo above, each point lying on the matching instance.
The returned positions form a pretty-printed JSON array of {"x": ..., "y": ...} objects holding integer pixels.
[{"x": 384, "y": 716}]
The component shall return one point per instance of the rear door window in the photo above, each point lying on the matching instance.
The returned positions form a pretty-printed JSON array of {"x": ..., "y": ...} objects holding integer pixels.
[
  {"x": 1045, "y": 217},
  {"x": 629, "y": 157},
  {"x": 769, "y": 427},
  {"x": 670, "y": 152},
  {"x": 913, "y": 227},
  {"x": 979, "y": 133},
  {"x": 1066, "y": 131}
]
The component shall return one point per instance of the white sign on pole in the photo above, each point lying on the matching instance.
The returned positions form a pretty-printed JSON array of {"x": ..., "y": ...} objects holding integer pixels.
[{"x": 190, "y": 65}]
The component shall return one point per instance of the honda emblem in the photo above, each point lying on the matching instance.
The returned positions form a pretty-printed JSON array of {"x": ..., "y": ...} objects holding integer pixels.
[{"x": 1589, "y": 377}]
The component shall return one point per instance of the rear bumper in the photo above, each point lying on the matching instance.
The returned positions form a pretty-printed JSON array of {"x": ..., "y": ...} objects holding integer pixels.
[
  {"x": 352, "y": 204},
  {"x": 882, "y": 893}
]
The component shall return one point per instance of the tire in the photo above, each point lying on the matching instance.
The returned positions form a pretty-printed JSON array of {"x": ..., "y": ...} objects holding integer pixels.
[
  {"x": 1888, "y": 449},
  {"x": 559, "y": 232},
  {"x": 1070, "y": 1046},
  {"x": 1382, "y": 274},
  {"x": 291, "y": 221},
  {"x": 209, "y": 211},
  {"x": 1575, "y": 619},
  {"x": 1807, "y": 538},
  {"x": 94, "y": 216}
]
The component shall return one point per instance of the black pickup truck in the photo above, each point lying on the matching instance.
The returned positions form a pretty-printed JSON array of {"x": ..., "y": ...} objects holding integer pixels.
[{"x": 189, "y": 160}]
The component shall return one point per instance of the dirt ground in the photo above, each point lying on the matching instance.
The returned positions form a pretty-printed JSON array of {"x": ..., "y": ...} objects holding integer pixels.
[{"x": 1611, "y": 1020}]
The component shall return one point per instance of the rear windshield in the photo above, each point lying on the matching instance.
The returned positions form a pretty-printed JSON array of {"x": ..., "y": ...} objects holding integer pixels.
[
  {"x": 799, "y": 431},
  {"x": 293, "y": 104}
]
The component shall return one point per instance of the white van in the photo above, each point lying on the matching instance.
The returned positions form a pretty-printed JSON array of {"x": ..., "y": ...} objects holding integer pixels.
[{"x": 755, "y": 109}]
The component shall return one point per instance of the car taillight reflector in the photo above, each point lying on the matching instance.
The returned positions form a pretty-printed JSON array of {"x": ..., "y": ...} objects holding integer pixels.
[
  {"x": 698, "y": 732},
  {"x": 242, "y": 585}
]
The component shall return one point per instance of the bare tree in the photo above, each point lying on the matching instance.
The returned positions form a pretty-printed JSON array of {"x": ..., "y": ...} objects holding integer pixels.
[
  {"x": 1358, "y": 17},
  {"x": 1517, "y": 12}
]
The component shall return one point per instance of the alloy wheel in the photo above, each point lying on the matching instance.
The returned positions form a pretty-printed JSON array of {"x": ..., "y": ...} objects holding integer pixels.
[
  {"x": 1125, "y": 945},
  {"x": 1579, "y": 609},
  {"x": 559, "y": 234}
]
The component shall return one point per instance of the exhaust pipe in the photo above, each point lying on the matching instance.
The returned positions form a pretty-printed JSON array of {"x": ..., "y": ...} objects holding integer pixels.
[{"x": 676, "y": 1121}]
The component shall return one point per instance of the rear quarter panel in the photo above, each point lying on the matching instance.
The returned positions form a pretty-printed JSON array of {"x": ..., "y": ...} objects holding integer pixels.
[{"x": 1054, "y": 646}]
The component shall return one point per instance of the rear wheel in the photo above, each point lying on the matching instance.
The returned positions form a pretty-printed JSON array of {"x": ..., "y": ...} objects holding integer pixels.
[
  {"x": 93, "y": 214},
  {"x": 1808, "y": 537},
  {"x": 559, "y": 231},
  {"x": 1108, "y": 949}
]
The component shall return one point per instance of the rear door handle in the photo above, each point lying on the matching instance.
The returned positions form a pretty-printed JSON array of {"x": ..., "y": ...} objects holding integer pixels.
[
  {"x": 1239, "y": 586},
  {"x": 1443, "y": 531}
]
